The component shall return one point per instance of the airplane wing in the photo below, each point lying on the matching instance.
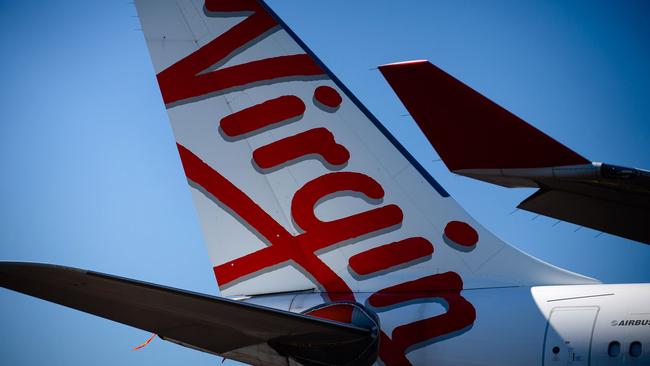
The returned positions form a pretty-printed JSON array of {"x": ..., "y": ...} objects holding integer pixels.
[
  {"x": 479, "y": 139},
  {"x": 245, "y": 332}
]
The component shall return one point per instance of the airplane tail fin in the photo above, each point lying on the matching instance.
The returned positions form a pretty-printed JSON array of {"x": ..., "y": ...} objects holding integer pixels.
[{"x": 297, "y": 185}]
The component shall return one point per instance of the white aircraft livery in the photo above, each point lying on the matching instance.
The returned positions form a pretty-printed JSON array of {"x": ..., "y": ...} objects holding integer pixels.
[{"x": 330, "y": 243}]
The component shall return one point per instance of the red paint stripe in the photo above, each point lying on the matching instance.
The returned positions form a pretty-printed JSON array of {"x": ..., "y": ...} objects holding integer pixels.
[
  {"x": 261, "y": 115},
  {"x": 338, "y": 312},
  {"x": 390, "y": 255},
  {"x": 318, "y": 141},
  {"x": 216, "y": 184}
]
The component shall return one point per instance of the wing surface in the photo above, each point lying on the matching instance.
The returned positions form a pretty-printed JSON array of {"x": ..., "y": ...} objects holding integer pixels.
[{"x": 240, "y": 331}]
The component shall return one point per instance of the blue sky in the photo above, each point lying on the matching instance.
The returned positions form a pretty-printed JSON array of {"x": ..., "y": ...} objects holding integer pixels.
[{"x": 91, "y": 177}]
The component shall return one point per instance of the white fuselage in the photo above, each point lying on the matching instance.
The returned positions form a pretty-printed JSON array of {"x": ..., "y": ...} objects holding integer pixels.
[
  {"x": 588, "y": 322},
  {"x": 524, "y": 325}
]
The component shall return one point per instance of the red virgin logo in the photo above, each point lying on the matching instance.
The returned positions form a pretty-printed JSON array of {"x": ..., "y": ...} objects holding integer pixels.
[{"x": 185, "y": 82}]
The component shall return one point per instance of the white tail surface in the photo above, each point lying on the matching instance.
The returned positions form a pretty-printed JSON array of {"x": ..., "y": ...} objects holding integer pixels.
[{"x": 297, "y": 185}]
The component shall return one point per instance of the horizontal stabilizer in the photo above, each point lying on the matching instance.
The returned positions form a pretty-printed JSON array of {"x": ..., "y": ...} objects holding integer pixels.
[
  {"x": 468, "y": 130},
  {"x": 236, "y": 330},
  {"x": 477, "y": 138}
]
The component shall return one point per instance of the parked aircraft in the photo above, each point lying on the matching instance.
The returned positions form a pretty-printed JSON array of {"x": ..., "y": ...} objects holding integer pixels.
[{"x": 333, "y": 245}]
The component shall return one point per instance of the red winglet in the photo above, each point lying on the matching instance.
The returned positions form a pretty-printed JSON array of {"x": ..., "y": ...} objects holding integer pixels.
[{"x": 468, "y": 130}]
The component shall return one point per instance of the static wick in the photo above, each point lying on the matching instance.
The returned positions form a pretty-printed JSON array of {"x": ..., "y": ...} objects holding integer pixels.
[{"x": 143, "y": 345}]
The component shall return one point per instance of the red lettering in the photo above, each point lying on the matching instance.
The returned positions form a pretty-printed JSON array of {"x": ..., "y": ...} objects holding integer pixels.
[
  {"x": 302, "y": 205},
  {"x": 184, "y": 80},
  {"x": 390, "y": 255},
  {"x": 259, "y": 116},
  {"x": 317, "y": 141},
  {"x": 284, "y": 247},
  {"x": 446, "y": 286}
]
